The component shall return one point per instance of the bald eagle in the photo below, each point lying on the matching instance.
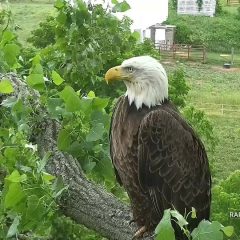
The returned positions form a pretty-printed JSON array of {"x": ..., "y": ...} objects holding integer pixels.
[{"x": 157, "y": 156}]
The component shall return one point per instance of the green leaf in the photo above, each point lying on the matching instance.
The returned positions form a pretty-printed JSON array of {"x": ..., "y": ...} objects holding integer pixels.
[
  {"x": 19, "y": 107},
  {"x": 207, "y": 230},
  {"x": 114, "y": 1},
  {"x": 86, "y": 105},
  {"x": 57, "y": 78},
  {"x": 104, "y": 168},
  {"x": 9, "y": 102},
  {"x": 58, "y": 187},
  {"x": 91, "y": 94},
  {"x": 36, "y": 208},
  {"x": 61, "y": 18},
  {"x": 47, "y": 178},
  {"x": 88, "y": 166},
  {"x": 63, "y": 140},
  {"x": 4, "y": 132},
  {"x": 71, "y": 99},
  {"x": 15, "y": 177},
  {"x": 82, "y": 6},
  {"x": 55, "y": 107},
  {"x": 100, "y": 116},
  {"x": 121, "y": 7},
  {"x": 6, "y": 86},
  {"x": 42, "y": 163},
  {"x": 164, "y": 229},
  {"x": 228, "y": 231},
  {"x": 11, "y": 51},
  {"x": 10, "y": 154},
  {"x": 180, "y": 219},
  {"x": 193, "y": 213},
  {"x": 13, "y": 229},
  {"x": 96, "y": 133},
  {"x": 37, "y": 69},
  {"x": 136, "y": 35},
  {"x": 75, "y": 149},
  {"x": 7, "y": 36},
  {"x": 100, "y": 103},
  {"x": 36, "y": 60},
  {"x": 59, "y": 4},
  {"x": 14, "y": 195},
  {"x": 36, "y": 81}
]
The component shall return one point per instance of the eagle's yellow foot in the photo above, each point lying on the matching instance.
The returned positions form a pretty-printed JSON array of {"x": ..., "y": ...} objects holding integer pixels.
[{"x": 140, "y": 232}]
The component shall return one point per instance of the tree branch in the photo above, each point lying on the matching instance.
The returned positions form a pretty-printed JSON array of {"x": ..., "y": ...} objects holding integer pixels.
[{"x": 85, "y": 202}]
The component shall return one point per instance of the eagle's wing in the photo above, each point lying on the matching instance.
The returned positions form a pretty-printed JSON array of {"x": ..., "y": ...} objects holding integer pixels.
[
  {"x": 113, "y": 118},
  {"x": 173, "y": 165}
]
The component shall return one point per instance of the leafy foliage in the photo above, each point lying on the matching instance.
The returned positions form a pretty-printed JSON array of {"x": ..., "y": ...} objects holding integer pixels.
[
  {"x": 65, "y": 229},
  {"x": 178, "y": 88},
  {"x": 205, "y": 230},
  {"x": 9, "y": 47},
  {"x": 219, "y": 7},
  {"x": 202, "y": 125},
  {"x": 173, "y": 4},
  {"x": 45, "y": 34},
  {"x": 9, "y": 52},
  {"x": 226, "y": 199},
  {"x": 164, "y": 230},
  {"x": 82, "y": 43},
  {"x": 28, "y": 192},
  {"x": 217, "y": 34}
]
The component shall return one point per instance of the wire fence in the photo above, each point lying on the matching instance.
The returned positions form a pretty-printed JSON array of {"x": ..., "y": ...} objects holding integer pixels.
[
  {"x": 233, "y": 2},
  {"x": 219, "y": 109},
  {"x": 182, "y": 51},
  {"x": 199, "y": 53}
]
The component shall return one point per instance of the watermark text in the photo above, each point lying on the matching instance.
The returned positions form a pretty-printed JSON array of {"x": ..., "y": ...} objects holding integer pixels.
[{"x": 234, "y": 214}]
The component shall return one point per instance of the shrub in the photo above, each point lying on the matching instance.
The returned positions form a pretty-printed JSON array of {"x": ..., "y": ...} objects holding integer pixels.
[
  {"x": 218, "y": 34},
  {"x": 219, "y": 8},
  {"x": 226, "y": 199},
  {"x": 45, "y": 34}
]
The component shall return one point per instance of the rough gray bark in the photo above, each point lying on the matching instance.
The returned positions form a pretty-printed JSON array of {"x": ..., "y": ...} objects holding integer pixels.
[{"x": 85, "y": 202}]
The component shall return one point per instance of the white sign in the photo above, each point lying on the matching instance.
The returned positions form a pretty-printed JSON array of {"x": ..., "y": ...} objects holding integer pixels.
[{"x": 191, "y": 7}]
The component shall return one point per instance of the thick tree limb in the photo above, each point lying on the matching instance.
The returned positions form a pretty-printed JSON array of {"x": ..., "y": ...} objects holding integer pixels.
[{"x": 85, "y": 202}]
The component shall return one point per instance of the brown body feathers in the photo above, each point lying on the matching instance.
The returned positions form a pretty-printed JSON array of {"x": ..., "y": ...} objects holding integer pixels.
[{"x": 160, "y": 161}]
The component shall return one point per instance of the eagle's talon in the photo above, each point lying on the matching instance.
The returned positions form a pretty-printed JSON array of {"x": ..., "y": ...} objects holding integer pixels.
[{"x": 140, "y": 232}]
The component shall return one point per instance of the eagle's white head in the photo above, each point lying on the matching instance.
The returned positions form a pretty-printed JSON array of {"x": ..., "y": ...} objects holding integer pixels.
[{"x": 145, "y": 78}]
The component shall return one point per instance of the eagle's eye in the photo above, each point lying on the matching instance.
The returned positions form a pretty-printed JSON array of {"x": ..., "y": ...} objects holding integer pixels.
[{"x": 130, "y": 69}]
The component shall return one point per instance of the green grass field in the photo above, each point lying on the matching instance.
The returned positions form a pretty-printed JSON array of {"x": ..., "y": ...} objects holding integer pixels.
[
  {"x": 211, "y": 87},
  {"x": 221, "y": 58},
  {"x": 27, "y": 15}
]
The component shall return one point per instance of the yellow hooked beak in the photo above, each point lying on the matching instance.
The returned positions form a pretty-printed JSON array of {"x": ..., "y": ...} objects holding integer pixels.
[{"x": 115, "y": 73}]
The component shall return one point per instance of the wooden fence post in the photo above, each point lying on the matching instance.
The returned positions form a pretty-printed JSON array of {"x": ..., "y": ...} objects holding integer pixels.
[
  {"x": 232, "y": 54},
  {"x": 204, "y": 54},
  {"x": 173, "y": 51}
]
